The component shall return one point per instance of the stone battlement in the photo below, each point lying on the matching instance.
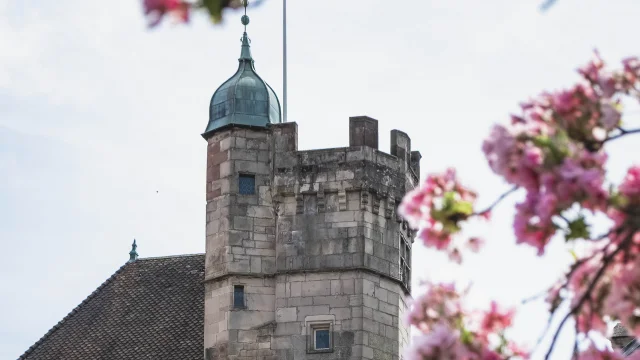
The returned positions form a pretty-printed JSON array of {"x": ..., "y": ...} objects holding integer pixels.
[
  {"x": 349, "y": 194},
  {"x": 311, "y": 236},
  {"x": 346, "y": 162}
]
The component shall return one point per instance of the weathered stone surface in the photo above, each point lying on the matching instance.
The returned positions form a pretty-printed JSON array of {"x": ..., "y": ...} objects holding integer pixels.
[{"x": 318, "y": 241}]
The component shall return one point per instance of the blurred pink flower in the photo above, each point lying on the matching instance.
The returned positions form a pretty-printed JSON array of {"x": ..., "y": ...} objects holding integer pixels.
[{"x": 155, "y": 10}]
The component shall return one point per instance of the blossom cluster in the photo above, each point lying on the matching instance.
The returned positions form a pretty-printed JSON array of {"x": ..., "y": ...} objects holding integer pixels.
[
  {"x": 555, "y": 151},
  {"x": 437, "y": 209},
  {"x": 606, "y": 282},
  {"x": 155, "y": 10},
  {"x": 617, "y": 294},
  {"x": 452, "y": 332}
]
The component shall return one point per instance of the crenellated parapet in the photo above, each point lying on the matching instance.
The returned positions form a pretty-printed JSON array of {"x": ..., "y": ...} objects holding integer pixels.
[
  {"x": 338, "y": 207},
  {"x": 301, "y": 238}
]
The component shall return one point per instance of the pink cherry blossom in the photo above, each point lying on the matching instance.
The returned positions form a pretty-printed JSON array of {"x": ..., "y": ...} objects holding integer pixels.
[
  {"x": 155, "y": 10},
  {"x": 592, "y": 70},
  {"x": 433, "y": 235},
  {"x": 529, "y": 227},
  {"x": 590, "y": 315},
  {"x": 610, "y": 116},
  {"x": 623, "y": 301},
  {"x": 630, "y": 186},
  {"x": 554, "y": 150},
  {"x": 496, "y": 319},
  {"x": 631, "y": 69},
  {"x": 442, "y": 343},
  {"x": 436, "y": 209},
  {"x": 455, "y": 256},
  {"x": 594, "y": 353},
  {"x": 475, "y": 244},
  {"x": 440, "y": 303}
]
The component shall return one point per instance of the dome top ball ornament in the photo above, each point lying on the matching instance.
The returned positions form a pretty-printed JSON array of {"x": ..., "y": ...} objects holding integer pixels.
[{"x": 245, "y": 18}]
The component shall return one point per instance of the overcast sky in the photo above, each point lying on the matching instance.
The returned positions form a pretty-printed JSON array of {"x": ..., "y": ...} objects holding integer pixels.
[{"x": 100, "y": 123}]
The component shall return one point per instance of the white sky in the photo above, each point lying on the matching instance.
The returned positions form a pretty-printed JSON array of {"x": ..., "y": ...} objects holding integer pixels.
[{"x": 97, "y": 114}]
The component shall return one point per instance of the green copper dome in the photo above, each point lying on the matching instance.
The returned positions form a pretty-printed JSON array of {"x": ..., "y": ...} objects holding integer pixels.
[{"x": 245, "y": 99}]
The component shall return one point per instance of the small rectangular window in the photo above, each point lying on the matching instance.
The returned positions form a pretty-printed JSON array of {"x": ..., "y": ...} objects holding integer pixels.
[
  {"x": 321, "y": 339},
  {"x": 247, "y": 184},
  {"x": 238, "y": 296}
]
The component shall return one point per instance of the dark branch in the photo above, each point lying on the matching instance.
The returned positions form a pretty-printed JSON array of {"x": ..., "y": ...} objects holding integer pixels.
[
  {"x": 546, "y": 328},
  {"x": 495, "y": 203},
  {"x": 605, "y": 263},
  {"x": 622, "y": 133},
  {"x": 534, "y": 297}
]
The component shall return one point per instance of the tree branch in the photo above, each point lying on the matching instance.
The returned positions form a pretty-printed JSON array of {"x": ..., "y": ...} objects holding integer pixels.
[
  {"x": 623, "y": 132},
  {"x": 534, "y": 297},
  {"x": 495, "y": 203},
  {"x": 605, "y": 263}
]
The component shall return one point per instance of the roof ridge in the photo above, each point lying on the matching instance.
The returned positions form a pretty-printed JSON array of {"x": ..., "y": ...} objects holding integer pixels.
[
  {"x": 169, "y": 257},
  {"x": 72, "y": 312}
]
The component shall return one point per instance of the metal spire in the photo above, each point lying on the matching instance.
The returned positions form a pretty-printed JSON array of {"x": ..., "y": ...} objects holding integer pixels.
[
  {"x": 133, "y": 254},
  {"x": 245, "y": 53},
  {"x": 284, "y": 60},
  {"x": 245, "y": 18}
]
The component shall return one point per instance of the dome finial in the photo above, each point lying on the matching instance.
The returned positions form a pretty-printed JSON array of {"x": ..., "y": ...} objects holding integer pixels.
[
  {"x": 133, "y": 254},
  {"x": 245, "y": 53},
  {"x": 245, "y": 17}
]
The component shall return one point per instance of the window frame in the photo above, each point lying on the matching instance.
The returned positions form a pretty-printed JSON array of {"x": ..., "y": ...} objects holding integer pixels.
[
  {"x": 247, "y": 176},
  {"x": 244, "y": 297},
  {"x": 405, "y": 261},
  {"x": 315, "y": 337},
  {"x": 313, "y": 327}
]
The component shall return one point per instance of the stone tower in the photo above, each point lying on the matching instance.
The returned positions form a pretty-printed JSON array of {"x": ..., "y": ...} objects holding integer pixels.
[{"x": 306, "y": 257}]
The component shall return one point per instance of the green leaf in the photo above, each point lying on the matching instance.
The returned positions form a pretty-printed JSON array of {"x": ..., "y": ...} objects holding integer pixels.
[
  {"x": 450, "y": 227},
  {"x": 558, "y": 148},
  {"x": 466, "y": 337},
  {"x": 438, "y": 215},
  {"x": 618, "y": 200},
  {"x": 462, "y": 207},
  {"x": 542, "y": 141},
  {"x": 578, "y": 229},
  {"x": 215, "y": 7},
  {"x": 573, "y": 255},
  {"x": 448, "y": 200}
]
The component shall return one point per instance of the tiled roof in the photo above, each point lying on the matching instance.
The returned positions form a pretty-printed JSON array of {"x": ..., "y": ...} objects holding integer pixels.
[
  {"x": 149, "y": 309},
  {"x": 620, "y": 333},
  {"x": 619, "y": 330}
]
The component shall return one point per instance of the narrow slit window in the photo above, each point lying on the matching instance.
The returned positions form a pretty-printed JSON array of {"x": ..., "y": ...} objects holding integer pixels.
[
  {"x": 247, "y": 184},
  {"x": 238, "y": 296},
  {"x": 321, "y": 339},
  {"x": 405, "y": 261}
]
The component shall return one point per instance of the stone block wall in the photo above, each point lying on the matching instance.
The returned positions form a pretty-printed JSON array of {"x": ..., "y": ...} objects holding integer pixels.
[
  {"x": 240, "y": 228},
  {"x": 337, "y": 207},
  {"x": 365, "y": 310},
  {"x": 239, "y": 333},
  {"x": 240, "y": 246},
  {"x": 318, "y": 242}
]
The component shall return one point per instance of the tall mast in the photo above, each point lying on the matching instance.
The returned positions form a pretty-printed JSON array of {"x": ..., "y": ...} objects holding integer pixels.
[{"x": 284, "y": 60}]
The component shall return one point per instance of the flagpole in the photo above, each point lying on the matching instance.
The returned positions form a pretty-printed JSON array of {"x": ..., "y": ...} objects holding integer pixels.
[{"x": 284, "y": 59}]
